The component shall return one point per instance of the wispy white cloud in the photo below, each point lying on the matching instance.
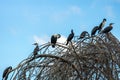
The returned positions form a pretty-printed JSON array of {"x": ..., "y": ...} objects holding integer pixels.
[
  {"x": 40, "y": 40},
  {"x": 62, "y": 39},
  {"x": 45, "y": 39}
]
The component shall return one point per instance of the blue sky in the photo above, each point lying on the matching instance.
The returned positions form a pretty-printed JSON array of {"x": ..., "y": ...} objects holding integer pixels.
[{"x": 23, "y": 22}]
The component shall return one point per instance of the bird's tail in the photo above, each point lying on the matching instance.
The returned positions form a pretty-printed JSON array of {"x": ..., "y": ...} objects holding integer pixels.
[
  {"x": 53, "y": 45},
  {"x": 6, "y": 77},
  {"x": 67, "y": 43}
]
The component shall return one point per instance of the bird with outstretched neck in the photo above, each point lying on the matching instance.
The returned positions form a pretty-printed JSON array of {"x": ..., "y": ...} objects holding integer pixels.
[
  {"x": 102, "y": 24},
  {"x": 70, "y": 37}
]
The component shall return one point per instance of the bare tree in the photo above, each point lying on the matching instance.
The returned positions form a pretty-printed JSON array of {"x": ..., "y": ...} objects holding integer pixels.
[{"x": 91, "y": 58}]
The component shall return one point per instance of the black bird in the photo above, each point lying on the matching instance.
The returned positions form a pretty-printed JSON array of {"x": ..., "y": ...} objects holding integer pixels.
[
  {"x": 70, "y": 37},
  {"x": 101, "y": 25},
  {"x": 108, "y": 29},
  {"x": 54, "y": 39},
  {"x": 6, "y": 73},
  {"x": 94, "y": 30},
  {"x": 35, "y": 52},
  {"x": 83, "y": 34}
]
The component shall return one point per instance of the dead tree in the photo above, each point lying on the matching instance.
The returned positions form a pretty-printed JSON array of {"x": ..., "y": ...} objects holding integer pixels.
[{"x": 91, "y": 58}]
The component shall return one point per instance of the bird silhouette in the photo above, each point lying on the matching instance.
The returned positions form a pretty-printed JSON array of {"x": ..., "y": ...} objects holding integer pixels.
[
  {"x": 6, "y": 72},
  {"x": 70, "y": 37},
  {"x": 36, "y": 49},
  {"x": 83, "y": 34},
  {"x": 94, "y": 30},
  {"x": 101, "y": 25},
  {"x": 54, "y": 39},
  {"x": 108, "y": 29}
]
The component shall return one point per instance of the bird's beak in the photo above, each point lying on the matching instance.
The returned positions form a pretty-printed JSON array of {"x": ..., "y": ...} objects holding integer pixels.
[
  {"x": 113, "y": 23},
  {"x": 34, "y": 44}
]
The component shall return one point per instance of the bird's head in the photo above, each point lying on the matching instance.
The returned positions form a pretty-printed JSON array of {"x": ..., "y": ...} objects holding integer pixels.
[
  {"x": 84, "y": 32},
  {"x": 10, "y": 68},
  {"x": 111, "y": 24},
  {"x": 96, "y": 26},
  {"x": 58, "y": 35},
  {"x": 72, "y": 31},
  {"x": 35, "y": 44},
  {"x": 104, "y": 19}
]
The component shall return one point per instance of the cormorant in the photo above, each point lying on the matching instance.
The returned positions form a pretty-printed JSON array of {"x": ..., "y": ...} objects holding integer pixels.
[
  {"x": 83, "y": 34},
  {"x": 70, "y": 37},
  {"x": 54, "y": 39},
  {"x": 94, "y": 30},
  {"x": 35, "y": 52},
  {"x": 6, "y": 72},
  {"x": 101, "y": 25},
  {"x": 108, "y": 29}
]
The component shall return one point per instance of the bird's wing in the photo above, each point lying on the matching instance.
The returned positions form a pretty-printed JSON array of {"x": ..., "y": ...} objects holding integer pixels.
[
  {"x": 5, "y": 72},
  {"x": 94, "y": 30},
  {"x": 69, "y": 37},
  {"x": 107, "y": 29}
]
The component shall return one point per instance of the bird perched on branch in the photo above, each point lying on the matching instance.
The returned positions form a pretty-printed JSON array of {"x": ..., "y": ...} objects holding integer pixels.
[
  {"x": 101, "y": 25},
  {"x": 108, "y": 29},
  {"x": 94, "y": 30},
  {"x": 6, "y": 72},
  {"x": 54, "y": 39},
  {"x": 36, "y": 49},
  {"x": 70, "y": 37},
  {"x": 83, "y": 34}
]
